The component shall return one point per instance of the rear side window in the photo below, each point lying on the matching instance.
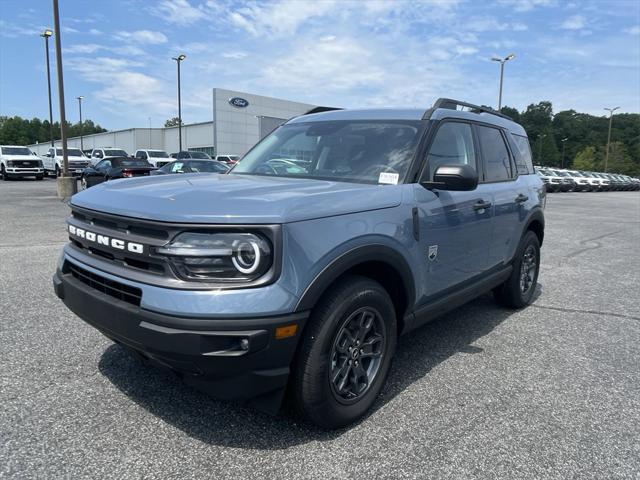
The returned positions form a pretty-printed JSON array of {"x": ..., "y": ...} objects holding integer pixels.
[
  {"x": 452, "y": 145},
  {"x": 524, "y": 163},
  {"x": 497, "y": 166}
]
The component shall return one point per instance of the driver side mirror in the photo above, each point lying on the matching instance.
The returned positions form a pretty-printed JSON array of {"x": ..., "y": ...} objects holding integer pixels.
[{"x": 453, "y": 177}]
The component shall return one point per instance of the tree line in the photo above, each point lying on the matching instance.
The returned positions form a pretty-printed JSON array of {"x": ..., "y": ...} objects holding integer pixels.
[
  {"x": 586, "y": 138},
  {"x": 583, "y": 149},
  {"x": 22, "y": 131}
]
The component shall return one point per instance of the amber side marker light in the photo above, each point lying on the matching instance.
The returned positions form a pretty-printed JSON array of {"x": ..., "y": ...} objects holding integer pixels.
[{"x": 286, "y": 331}]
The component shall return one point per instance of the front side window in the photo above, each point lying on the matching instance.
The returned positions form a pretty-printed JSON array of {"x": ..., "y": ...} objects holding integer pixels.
[
  {"x": 344, "y": 151},
  {"x": 452, "y": 145},
  {"x": 497, "y": 166}
]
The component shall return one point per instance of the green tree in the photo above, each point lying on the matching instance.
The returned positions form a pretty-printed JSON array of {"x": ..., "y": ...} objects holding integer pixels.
[
  {"x": 172, "y": 122},
  {"x": 585, "y": 159}
]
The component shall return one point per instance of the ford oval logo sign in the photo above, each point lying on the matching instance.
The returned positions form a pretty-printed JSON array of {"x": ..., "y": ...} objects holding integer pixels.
[{"x": 239, "y": 102}]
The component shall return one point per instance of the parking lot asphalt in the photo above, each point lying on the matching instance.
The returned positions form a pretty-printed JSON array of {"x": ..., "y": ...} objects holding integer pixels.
[{"x": 551, "y": 391}]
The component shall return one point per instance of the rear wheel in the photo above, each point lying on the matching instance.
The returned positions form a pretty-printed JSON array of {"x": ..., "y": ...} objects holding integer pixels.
[
  {"x": 518, "y": 290},
  {"x": 345, "y": 354}
]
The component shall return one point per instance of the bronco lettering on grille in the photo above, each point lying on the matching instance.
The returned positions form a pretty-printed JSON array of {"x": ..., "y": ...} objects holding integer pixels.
[{"x": 105, "y": 240}]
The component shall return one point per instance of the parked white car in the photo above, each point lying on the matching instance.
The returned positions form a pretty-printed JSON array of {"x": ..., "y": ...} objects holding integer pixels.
[
  {"x": 53, "y": 161},
  {"x": 19, "y": 161},
  {"x": 157, "y": 158},
  {"x": 228, "y": 159}
]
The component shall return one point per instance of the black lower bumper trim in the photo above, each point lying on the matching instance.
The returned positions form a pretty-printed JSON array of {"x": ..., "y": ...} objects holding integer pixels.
[{"x": 227, "y": 358}]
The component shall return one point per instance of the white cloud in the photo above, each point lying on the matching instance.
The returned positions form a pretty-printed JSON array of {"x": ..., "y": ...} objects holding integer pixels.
[
  {"x": 143, "y": 36},
  {"x": 95, "y": 31},
  {"x": 526, "y": 5},
  {"x": 234, "y": 55},
  {"x": 84, "y": 48},
  {"x": 180, "y": 12},
  {"x": 492, "y": 24},
  {"x": 574, "y": 22},
  {"x": 635, "y": 30}
]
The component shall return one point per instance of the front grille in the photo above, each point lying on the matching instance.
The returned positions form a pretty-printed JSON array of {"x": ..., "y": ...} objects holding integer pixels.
[
  {"x": 25, "y": 163},
  {"x": 112, "y": 288}
]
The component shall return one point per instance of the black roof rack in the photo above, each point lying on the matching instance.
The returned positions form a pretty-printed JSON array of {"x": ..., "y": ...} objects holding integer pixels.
[
  {"x": 452, "y": 104},
  {"x": 321, "y": 109}
]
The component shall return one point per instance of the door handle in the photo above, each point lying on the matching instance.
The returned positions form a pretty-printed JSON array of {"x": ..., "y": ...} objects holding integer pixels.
[
  {"x": 481, "y": 205},
  {"x": 521, "y": 198}
]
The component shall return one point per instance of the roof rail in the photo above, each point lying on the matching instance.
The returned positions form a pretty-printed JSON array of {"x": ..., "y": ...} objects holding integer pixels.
[
  {"x": 321, "y": 109},
  {"x": 452, "y": 104}
]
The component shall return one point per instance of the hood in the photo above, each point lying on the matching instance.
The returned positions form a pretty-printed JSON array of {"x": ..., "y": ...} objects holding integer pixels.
[
  {"x": 20, "y": 157},
  {"x": 213, "y": 198}
]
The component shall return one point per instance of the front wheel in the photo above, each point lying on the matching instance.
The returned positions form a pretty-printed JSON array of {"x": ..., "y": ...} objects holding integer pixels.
[
  {"x": 518, "y": 290},
  {"x": 58, "y": 171},
  {"x": 5, "y": 177},
  {"x": 345, "y": 354}
]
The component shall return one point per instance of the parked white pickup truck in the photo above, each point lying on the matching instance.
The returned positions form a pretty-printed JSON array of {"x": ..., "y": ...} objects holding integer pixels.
[
  {"x": 18, "y": 161},
  {"x": 53, "y": 161},
  {"x": 157, "y": 158}
]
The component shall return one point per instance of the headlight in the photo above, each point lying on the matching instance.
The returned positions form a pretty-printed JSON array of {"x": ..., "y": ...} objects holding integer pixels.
[
  {"x": 40, "y": 164},
  {"x": 224, "y": 257},
  {"x": 9, "y": 163}
]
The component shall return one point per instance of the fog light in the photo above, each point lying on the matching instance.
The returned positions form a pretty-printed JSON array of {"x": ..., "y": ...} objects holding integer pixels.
[{"x": 244, "y": 344}]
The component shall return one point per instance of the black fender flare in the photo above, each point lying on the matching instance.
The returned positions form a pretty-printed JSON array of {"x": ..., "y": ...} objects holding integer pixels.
[
  {"x": 536, "y": 215},
  {"x": 351, "y": 258}
]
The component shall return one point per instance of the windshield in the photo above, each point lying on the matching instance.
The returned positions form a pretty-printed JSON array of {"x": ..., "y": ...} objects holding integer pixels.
[
  {"x": 347, "y": 151},
  {"x": 199, "y": 155},
  {"x": 130, "y": 162},
  {"x": 115, "y": 153},
  {"x": 16, "y": 151},
  {"x": 157, "y": 154},
  {"x": 71, "y": 152}
]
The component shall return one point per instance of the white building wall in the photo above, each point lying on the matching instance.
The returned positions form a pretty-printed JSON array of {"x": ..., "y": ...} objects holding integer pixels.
[{"x": 237, "y": 129}]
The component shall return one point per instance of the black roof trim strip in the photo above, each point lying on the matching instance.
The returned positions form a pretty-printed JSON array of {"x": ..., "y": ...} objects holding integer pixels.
[{"x": 452, "y": 104}]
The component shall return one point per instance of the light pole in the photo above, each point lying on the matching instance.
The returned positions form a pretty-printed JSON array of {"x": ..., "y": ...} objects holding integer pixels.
[
  {"x": 46, "y": 34},
  {"x": 66, "y": 184},
  {"x": 178, "y": 60},
  {"x": 563, "y": 142},
  {"x": 80, "y": 108},
  {"x": 502, "y": 61},
  {"x": 606, "y": 157},
  {"x": 542, "y": 135}
]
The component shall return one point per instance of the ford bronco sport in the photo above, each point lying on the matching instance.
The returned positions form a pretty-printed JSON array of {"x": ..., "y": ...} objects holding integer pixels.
[{"x": 296, "y": 272}]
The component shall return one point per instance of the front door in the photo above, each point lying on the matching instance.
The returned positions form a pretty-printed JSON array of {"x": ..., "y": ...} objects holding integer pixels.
[{"x": 454, "y": 227}]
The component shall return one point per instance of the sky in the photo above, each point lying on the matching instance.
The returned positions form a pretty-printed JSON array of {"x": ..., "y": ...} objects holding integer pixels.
[{"x": 581, "y": 55}]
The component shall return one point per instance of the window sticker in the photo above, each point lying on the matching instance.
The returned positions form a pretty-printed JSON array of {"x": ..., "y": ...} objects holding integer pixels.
[{"x": 389, "y": 178}]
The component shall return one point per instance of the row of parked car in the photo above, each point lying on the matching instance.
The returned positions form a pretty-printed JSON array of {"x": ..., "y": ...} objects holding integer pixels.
[
  {"x": 561, "y": 180},
  {"x": 20, "y": 161}
]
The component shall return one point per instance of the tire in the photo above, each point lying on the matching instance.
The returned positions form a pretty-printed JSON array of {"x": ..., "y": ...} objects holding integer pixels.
[
  {"x": 328, "y": 348},
  {"x": 5, "y": 177},
  {"x": 518, "y": 290},
  {"x": 83, "y": 183},
  {"x": 58, "y": 171},
  {"x": 39, "y": 177}
]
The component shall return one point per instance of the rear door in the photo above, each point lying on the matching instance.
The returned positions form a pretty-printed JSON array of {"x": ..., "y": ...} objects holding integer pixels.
[
  {"x": 500, "y": 177},
  {"x": 454, "y": 227}
]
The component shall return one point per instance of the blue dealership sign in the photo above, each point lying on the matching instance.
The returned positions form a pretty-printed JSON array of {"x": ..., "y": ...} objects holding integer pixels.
[{"x": 239, "y": 102}]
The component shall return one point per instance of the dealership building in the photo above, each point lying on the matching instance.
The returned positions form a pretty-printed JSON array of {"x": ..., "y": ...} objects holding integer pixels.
[{"x": 239, "y": 120}]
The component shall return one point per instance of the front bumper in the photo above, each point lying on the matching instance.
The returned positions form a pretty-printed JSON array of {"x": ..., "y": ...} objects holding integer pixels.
[
  {"x": 24, "y": 172},
  {"x": 206, "y": 353}
]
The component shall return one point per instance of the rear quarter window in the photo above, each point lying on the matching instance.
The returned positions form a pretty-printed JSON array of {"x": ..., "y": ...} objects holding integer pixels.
[{"x": 522, "y": 152}]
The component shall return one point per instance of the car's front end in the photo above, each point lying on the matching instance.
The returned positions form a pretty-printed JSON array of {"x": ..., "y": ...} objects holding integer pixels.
[{"x": 23, "y": 166}]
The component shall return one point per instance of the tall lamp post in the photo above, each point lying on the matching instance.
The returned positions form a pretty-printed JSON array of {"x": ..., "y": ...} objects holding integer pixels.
[
  {"x": 179, "y": 60},
  {"x": 67, "y": 185},
  {"x": 564, "y": 140},
  {"x": 606, "y": 157},
  {"x": 46, "y": 34},
  {"x": 542, "y": 135},
  {"x": 81, "y": 125},
  {"x": 502, "y": 61}
]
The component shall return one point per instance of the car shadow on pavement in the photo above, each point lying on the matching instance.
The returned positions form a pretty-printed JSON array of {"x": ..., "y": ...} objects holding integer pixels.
[{"x": 227, "y": 424}]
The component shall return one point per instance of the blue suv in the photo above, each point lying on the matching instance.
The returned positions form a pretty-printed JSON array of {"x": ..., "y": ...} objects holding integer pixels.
[{"x": 295, "y": 273}]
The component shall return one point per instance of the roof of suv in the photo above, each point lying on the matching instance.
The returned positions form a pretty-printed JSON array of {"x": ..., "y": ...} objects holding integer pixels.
[{"x": 411, "y": 114}]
